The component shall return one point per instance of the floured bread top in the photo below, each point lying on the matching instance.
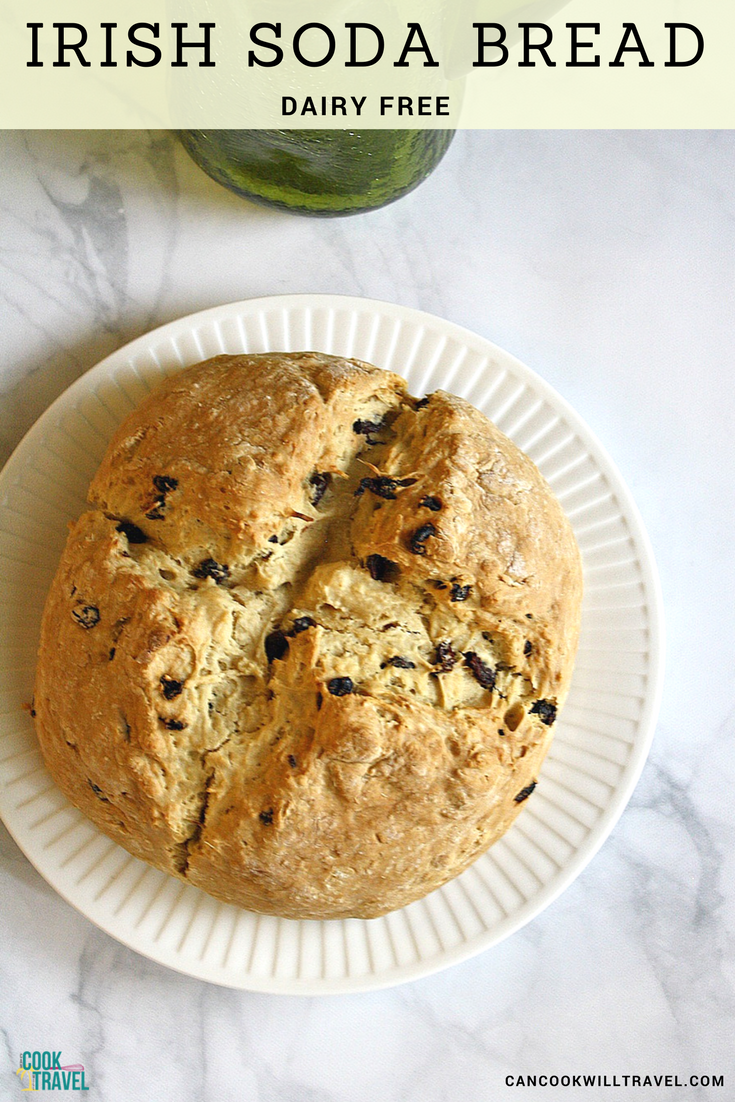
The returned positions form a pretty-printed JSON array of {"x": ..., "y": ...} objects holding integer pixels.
[{"x": 307, "y": 647}]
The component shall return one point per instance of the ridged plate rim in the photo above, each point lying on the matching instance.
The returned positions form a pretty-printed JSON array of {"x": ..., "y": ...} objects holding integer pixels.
[{"x": 260, "y": 322}]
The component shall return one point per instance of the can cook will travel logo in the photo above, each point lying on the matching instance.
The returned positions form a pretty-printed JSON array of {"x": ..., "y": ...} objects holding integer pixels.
[{"x": 43, "y": 1071}]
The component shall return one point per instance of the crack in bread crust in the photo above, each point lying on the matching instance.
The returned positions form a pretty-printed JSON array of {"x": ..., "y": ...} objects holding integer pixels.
[{"x": 337, "y": 624}]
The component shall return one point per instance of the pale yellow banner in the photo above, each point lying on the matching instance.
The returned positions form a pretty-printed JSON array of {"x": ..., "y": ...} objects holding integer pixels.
[{"x": 323, "y": 64}]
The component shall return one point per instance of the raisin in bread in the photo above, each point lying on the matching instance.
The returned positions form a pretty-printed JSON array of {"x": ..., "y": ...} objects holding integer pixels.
[{"x": 307, "y": 647}]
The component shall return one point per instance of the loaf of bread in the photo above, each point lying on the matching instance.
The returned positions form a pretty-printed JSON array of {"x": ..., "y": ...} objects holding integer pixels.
[{"x": 307, "y": 646}]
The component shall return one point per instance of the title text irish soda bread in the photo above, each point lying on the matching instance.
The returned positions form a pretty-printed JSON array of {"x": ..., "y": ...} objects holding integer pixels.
[{"x": 307, "y": 647}]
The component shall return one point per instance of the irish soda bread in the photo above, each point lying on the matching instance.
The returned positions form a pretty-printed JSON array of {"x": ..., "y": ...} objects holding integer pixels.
[{"x": 307, "y": 647}]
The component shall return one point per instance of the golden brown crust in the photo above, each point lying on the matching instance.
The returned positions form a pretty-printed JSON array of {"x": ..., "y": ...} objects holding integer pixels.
[{"x": 307, "y": 648}]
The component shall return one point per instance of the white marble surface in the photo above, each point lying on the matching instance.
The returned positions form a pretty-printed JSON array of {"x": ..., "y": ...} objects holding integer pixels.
[{"x": 606, "y": 261}]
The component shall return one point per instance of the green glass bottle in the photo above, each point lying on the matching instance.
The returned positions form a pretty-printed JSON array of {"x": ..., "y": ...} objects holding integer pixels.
[{"x": 322, "y": 172}]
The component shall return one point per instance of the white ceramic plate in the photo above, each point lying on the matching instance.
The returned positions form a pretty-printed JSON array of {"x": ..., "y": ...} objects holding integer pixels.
[{"x": 602, "y": 737}]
